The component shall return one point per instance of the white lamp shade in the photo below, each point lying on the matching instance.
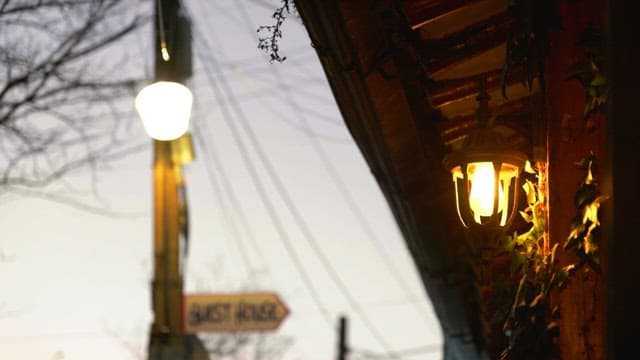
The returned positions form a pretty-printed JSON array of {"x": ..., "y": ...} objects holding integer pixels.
[{"x": 164, "y": 108}]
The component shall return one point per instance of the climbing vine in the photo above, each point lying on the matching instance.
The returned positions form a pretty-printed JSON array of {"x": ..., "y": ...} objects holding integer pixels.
[
  {"x": 587, "y": 200},
  {"x": 589, "y": 71},
  {"x": 529, "y": 317},
  {"x": 529, "y": 324},
  {"x": 527, "y": 43}
]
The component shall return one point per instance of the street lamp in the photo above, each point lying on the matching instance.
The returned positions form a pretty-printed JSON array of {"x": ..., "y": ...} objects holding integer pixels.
[
  {"x": 164, "y": 108},
  {"x": 485, "y": 174}
]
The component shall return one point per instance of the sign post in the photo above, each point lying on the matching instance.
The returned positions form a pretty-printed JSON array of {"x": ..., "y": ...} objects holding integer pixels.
[{"x": 261, "y": 311}]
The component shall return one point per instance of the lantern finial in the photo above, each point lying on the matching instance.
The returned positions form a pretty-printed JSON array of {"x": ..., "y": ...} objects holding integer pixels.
[{"x": 483, "y": 114}]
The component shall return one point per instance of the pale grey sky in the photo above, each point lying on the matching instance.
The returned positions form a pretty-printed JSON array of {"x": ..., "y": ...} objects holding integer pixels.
[{"x": 268, "y": 137}]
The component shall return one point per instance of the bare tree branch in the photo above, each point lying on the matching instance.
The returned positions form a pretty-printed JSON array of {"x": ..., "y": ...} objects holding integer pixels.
[
  {"x": 270, "y": 42},
  {"x": 75, "y": 203},
  {"x": 62, "y": 89},
  {"x": 39, "y": 5}
]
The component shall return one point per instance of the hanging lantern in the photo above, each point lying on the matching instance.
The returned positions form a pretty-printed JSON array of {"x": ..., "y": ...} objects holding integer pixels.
[{"x": 485, "y": 173}]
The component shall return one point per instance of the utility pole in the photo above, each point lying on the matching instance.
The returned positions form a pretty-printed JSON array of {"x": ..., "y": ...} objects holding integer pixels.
[
  {"x": 172, "y": 54},
  {"x": 343, "y": 348}
]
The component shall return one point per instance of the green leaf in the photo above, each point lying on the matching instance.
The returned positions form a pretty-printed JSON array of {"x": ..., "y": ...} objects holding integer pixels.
[
  {"x": 527, "y": 217},
  {"x": 529, "y": 190},
  {"x": 528, "y": 169},
  {"x": 536, "y": 300},
  {"x": 553, "y": 329},
  {"x": 553, "y": 253},
  {"x": 581, "y": 66},
  {"x": 585, "y": 162},
  {"x": 585, "y": 194},
  {"x": 598, "y": 80},
  {"x": 589, "y": 246},
  {"x": 569, "y": 269},
  {"x": 590, "y": 213}
]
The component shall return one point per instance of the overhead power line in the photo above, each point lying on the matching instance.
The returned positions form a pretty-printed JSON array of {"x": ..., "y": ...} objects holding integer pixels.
[
  {"x": 212, "y": 159},
  {"x": 343, "y": 189},
  {"x": 420, "y": 350},
  {"x": 283, "y": 235},
  {"x": 216, "y": 64},
  {"x": 304, "y": 228}
]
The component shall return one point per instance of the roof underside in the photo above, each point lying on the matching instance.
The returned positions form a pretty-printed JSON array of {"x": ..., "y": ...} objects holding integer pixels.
[{"x": 459, "y": 43}]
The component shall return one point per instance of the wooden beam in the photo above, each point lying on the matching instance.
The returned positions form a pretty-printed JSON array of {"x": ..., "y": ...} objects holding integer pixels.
[
  {"x": 445, "y": 92},
  {"x": 419, "y": 13},
  {"x": 515, "y": 114},
  {"x": 463, "y": 45},
  {"x": 620, "y": 179},
  {"x": 582, "y": 301}
]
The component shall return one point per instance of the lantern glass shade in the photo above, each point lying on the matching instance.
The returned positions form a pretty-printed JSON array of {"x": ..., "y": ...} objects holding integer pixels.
[
  {"x": 164, "y": 108},
  {"x": 485, "y": 192}
]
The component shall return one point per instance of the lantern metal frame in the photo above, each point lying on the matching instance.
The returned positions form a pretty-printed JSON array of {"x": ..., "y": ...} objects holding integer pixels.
[{"x": 486, "y": 145}]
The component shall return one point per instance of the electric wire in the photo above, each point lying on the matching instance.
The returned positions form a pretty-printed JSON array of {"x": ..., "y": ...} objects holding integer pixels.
[
  {"x": 250, "y": 64},
  {"x": 273, "y": 215},
  {"x": 345, "y": 193},
  {"x": 261, "y": 92},
  {"x": 251, "y": 83},
  {"x": 421, "y": 350},
  {"x": 243, "y": 76},
  {"x": 348, "y": 197},
  {"x": 304, "y": 228},
  {"x": 342, "y": 188},
  {"x": 283, "y": 235},
  {"x": 210, "y": 150},
  {"x": 214, "y": 181}
]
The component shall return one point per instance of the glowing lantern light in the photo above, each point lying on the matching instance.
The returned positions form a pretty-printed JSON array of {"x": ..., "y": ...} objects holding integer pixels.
[{"x": 485, "y": 173}]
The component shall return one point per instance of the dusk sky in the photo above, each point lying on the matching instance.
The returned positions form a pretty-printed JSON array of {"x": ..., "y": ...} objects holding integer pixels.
[{"x": 277, "y": 180}]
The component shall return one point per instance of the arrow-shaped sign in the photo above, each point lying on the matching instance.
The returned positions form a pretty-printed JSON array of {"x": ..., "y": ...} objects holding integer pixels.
[{"x": 233, "y": 312}]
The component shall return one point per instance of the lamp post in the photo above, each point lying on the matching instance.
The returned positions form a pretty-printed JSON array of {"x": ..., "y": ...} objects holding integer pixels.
[
  {"x": 164, "y": 108},
  {"x": 485, "y": 173}
]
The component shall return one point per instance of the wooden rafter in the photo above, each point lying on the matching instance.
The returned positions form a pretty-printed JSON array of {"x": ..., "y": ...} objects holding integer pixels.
[
  {"x": 444, "y": 92},
  {"x": 514, "y": 114},
  {"x": 419, "y": 13},
  {"x": 440, "y": 54}
]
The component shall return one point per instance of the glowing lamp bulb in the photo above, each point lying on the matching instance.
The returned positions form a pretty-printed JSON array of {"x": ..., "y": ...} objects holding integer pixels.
[
  {"x": 164, "y": 108},
  {"x": 482, "y": 193}
]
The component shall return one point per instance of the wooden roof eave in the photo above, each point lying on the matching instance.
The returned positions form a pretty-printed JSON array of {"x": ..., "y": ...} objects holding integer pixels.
[{"x": 383, "y": 123}]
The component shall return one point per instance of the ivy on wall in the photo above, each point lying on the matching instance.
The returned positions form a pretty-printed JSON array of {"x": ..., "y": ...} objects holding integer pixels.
[
  {"x": 587, "y": 200},
  {"x": 589, "y": 71},
  {"x": 530, "y": 322},
  {"x": 527, "y": 43},
  {"x": 529, "y": 316},
  {"x": 527, "y": 46}
]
